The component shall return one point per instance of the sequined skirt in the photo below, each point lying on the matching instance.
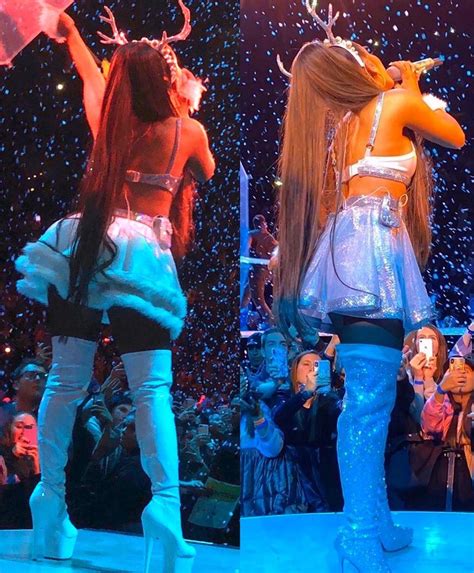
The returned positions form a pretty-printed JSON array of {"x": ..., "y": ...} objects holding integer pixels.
[
  {"x": 364, "y": 266},
  {"x": 141, "y": 276}
]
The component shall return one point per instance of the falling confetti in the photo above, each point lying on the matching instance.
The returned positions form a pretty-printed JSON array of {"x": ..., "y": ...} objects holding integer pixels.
[
  {"x": 44, "y": 145},
  {"x": 393, "y": 30}
]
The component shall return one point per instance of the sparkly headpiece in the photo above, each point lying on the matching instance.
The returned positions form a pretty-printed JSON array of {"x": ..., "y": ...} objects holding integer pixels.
[
  {"x": 331, "y": 41},
  {"x": 187, "y": 85}
]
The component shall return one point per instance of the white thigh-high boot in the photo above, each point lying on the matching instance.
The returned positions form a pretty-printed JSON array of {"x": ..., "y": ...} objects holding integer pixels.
[
  {"x": 370, "y": 389},
  {"x": 149, "y": 378},
  {"x": 54, "y": 536}
]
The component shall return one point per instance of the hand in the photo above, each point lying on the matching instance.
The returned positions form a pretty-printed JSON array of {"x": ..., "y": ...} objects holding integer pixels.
[
  {"x": 251, "y": 407},
  {"x": 3, "y": 471},
  {"x": 66, "y": 25},
  {"x": 417, "y": 363},
  {"x": 20, "y": 449},
  {"x": 44, "y": 352},
  {"x": 194, "y": 483},
  {"x": 430, "y": 368},
  {"x": 273, "y": 264},
  {"x": 114, "y": 382},
  {"x": 203, "y": 439},
  {"x": 406, "y": 356},
  {"x": 101, "y": 412},
  {"x": 409, "y": 75},
  {"x": 453, "y": 379}
]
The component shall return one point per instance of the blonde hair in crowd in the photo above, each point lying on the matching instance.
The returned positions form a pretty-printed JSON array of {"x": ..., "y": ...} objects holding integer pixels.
[{"x": 325, "y": 85}]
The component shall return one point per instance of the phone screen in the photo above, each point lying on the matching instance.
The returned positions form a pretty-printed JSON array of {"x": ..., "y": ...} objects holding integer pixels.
[
  {"x": 324, "y": 373},
  {"x": 280, "y": 357},
  {"x": 203, "y": 429},
  {"x": 425, "y": 345}
]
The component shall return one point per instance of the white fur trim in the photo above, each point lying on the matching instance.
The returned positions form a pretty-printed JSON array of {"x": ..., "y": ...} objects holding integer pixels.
[
  {"x": 142, "y": 276},
  {"x": 434, "y": 102}
]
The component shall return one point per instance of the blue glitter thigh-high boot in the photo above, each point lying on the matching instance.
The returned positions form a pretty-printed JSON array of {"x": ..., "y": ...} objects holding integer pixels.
[{"x": 370, "y": 387}]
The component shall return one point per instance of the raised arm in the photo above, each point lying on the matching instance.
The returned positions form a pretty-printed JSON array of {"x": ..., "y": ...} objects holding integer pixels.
[
  {"x": 201, "y": 162},
  {"x": 431, "y": 121},
  {"x": 92, "y": 78},
  {"x": 436, "y": 126}
]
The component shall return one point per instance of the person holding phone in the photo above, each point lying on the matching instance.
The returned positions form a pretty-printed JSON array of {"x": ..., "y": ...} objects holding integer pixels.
[
  {"x": 447, "y": 416},
  {"x": 354, "y": 232},
  {"x": 308, "y": 419},
  {"x": 424, "y": 356},
  {"x": 20, "y": 448}
]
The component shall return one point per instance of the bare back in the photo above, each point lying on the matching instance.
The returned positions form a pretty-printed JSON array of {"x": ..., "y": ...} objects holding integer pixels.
[
  {"x": 390, "y": 141},
  {"x": 156, "y": 151}
]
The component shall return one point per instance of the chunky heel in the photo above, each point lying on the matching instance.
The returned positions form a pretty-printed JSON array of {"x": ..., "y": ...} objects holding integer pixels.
[
  {"x": 148, "y": 549},
  {"x": 54, "y": 536}
]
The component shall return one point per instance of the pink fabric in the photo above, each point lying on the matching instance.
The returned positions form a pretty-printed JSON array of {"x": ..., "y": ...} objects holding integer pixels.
[
  {"x": 22, "y": 20},
  {"x": 436, "y": 417}
]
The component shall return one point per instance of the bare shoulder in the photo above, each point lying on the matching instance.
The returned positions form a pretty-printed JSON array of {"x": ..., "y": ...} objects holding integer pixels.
[
  {"x": 399, "y": 98},
  {"x": 193, "y": 127}
]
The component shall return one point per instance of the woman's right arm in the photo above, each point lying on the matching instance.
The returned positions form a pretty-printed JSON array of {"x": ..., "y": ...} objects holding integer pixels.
[
  {"x": 436, "y": 126},
  {"x": 413, "y": 112},
  {"x": 201, "y": 163},
  {"x": 92, "y": 78}
]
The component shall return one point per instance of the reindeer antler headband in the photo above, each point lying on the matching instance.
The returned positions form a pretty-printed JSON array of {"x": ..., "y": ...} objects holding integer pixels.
[
  {"x": 331, "y": 41},
  {"x": 188, "y": 86}
]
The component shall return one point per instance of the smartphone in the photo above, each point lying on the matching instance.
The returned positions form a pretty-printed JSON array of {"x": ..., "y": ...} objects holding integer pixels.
[
  {"x": 324, "y": 374},
  {"x": 203, "y": 430},
  {"x": 280, "y": 357},
  {"x": 457, "y": 363},
  {"x": 316, "y": 368},
  {"x": 30, "y": 435},
  {"x": 425, "y": 345}
]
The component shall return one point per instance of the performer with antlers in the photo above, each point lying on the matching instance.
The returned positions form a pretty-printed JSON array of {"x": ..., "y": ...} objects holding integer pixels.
[
  {"x": 354, "y": 231},
  {"x": 114, "y": 255}
]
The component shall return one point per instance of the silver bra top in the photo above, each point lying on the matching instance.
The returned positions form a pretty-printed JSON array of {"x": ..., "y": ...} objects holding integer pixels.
[
  {"x": 394, "y": 167},
  {"x": 165, "y": 181}
]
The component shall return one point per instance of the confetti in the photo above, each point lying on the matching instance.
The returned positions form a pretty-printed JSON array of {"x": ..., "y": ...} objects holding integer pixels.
[
  {"x": 427, "y": 29},
  {"x": 44, "y": 148}
]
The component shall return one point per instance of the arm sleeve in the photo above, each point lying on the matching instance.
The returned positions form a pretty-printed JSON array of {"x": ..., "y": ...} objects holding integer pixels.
[{"x": 433, "y": 416}]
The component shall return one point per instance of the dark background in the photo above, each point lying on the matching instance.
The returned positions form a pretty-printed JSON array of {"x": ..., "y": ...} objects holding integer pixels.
[
  {"x": 44, "y": 143},
  {"x": 402, "y": 29}
]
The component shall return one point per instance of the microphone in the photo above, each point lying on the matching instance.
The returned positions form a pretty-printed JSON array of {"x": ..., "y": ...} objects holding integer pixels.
[{"x": 421, "y": 66}]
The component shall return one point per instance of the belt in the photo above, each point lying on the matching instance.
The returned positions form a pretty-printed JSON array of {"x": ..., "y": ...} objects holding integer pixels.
[{"x": 160, "y": 225}]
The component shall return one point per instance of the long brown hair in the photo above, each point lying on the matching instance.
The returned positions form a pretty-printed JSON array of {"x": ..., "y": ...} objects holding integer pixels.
[
  {"x": 325, "y": 85},
  {"x": 138, "y": 92}
]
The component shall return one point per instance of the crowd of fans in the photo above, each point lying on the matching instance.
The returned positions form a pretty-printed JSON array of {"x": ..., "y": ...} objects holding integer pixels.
[
  {"x": 292, "y": 394},
  {"x": 106, "y": 486}
]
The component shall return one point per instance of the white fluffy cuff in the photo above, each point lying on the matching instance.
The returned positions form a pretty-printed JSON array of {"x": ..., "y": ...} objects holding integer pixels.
[{"x": 434, "y": 102}]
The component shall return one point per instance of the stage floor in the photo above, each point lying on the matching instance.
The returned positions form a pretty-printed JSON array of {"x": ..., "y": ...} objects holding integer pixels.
[
  {"x": 108, "y": 553},
  {"x": 443, "y": 543}
]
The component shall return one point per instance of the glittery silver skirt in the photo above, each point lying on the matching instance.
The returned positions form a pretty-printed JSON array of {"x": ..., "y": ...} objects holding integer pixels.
[{"x": 370, "y": 272}]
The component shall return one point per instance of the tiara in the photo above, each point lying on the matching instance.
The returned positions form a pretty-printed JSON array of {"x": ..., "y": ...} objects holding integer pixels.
[{"x": 331, "y": 41}]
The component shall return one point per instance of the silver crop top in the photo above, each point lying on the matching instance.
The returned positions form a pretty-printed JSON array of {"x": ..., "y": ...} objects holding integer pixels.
[
  {"x": 394, "y": 167},
  {"x": 165, "y": 181}
]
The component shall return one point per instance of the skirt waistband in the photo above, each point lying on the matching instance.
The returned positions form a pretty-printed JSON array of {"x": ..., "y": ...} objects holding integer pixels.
[
  {"x": 140, "y": 217},
  {"x": 373, "y": 200},
  {"x": 160, "y": 225}
]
